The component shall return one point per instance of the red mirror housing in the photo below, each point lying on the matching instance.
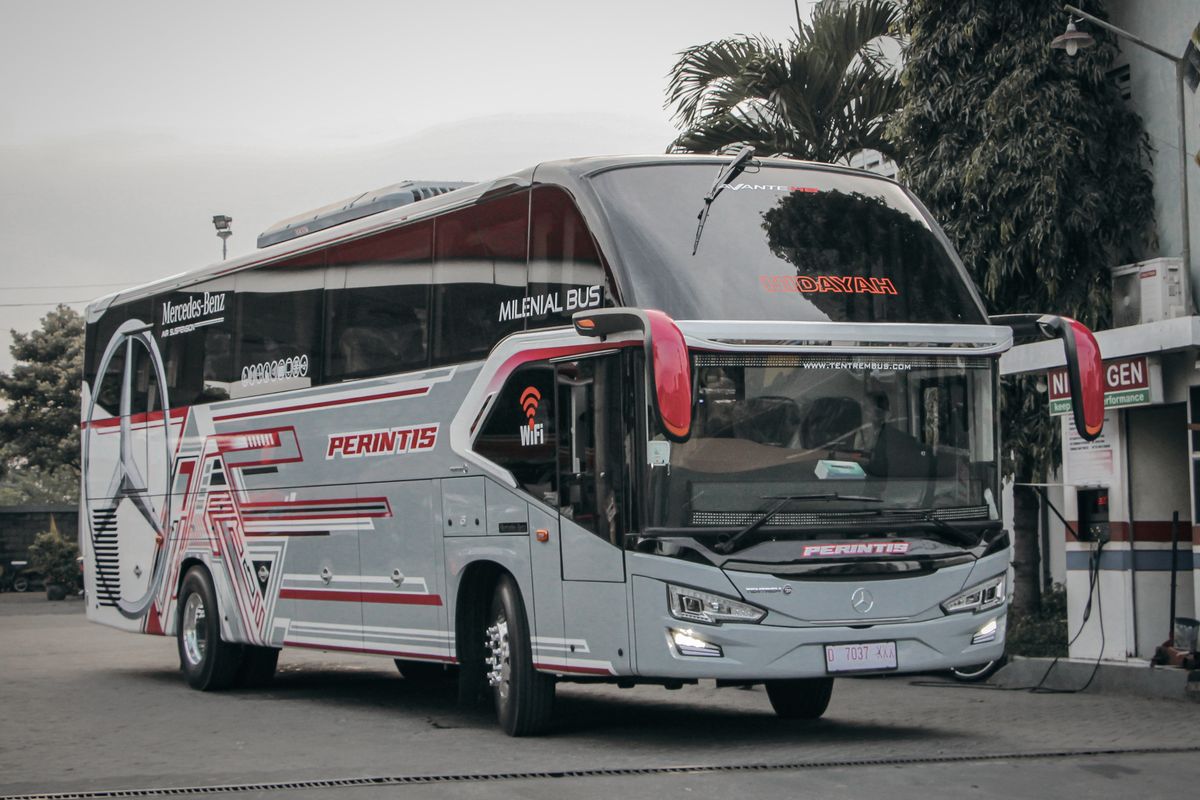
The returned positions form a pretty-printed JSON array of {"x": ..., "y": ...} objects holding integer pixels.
[
  {"x": 667, "y": 362},
  {"x": 1085, "y": 368}
]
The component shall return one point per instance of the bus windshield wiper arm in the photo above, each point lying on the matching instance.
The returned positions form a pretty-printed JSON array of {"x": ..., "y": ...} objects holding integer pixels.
[
  {"x": 727, "y": 546},
  {"x": 956, "y": 534},
  {"x": 731, "y": 171}
]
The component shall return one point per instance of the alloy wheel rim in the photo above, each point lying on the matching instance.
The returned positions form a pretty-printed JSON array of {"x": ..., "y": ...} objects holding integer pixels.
[
  {"x": 499, "y": 657},
  {"x": 195, "y": 632}
]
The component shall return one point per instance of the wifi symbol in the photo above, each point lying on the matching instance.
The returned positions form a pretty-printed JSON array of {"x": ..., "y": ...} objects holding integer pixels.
[{"x": 529, "y": 401}]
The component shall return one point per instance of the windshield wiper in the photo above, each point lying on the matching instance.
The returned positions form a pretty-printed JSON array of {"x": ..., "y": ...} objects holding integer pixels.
[
  {"x": 956, "y": 534},
  {"x": 727, "y": 546},
  {"x": 731, "y": 171}
]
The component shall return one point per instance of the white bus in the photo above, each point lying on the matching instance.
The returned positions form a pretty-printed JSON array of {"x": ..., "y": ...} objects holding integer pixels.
[{"x": 556, "y": 427}]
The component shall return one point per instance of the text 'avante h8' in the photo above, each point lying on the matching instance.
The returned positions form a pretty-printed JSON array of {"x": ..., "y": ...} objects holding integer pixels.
[{"x": 558, "y": 427}]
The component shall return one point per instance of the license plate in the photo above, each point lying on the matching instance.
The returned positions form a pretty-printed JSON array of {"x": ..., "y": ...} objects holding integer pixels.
[{"x": 860, "y": 657}]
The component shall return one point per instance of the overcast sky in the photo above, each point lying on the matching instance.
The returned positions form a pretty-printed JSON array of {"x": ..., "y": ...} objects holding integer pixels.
[{"x": 124, "y": 126}]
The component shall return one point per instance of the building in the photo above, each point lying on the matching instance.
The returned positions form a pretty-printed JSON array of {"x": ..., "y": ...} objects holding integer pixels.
[{"x": 1145, "y": 469}]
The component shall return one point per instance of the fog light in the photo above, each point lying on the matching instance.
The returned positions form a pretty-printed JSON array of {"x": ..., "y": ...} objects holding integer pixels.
[
  {"x": 687, "y": 644},
  {"x": 985, "y": 634}
]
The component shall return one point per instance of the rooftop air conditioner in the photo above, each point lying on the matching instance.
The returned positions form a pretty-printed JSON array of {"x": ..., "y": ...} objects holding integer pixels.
[{"x": 1149, "y": 291}]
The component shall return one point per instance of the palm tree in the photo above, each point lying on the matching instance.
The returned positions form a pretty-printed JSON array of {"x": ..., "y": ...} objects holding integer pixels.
[{"x": 822, "y": 96}]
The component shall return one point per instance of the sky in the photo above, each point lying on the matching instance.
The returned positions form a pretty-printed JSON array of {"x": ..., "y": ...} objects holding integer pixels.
[{"x": 126, "y": 125}]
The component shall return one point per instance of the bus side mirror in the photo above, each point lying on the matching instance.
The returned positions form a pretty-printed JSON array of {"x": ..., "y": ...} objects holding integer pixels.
[
  {"x": 667, "y": 363},
  {"x": 1085, "y": 369}
]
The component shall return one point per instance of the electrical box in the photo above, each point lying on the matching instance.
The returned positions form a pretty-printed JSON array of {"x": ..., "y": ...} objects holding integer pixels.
[
  {"x": 1093, "y": 515},
  {"x": 1149, "y": 291}
]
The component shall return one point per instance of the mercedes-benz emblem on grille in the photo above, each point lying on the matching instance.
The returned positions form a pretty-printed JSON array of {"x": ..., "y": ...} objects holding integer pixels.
[{"x": 862, "y": 601}]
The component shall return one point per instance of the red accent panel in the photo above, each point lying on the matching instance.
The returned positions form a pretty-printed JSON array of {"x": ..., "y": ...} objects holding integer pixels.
[
  {"x": 152, "y": 625},
  {"x": 330, "y": 501},
  {"x": 134, "y": 419},
  {"x": 672, "y": 374},
  {"x": 355, "y": 596},
  {"x": 1091, "y": 377},
  {"x": 328, "y": 403},
  {"x": 527, "y": 356}
]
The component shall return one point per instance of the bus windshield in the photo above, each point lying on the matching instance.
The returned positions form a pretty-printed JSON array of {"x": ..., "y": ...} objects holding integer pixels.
[
  {"x": 780, "y": 243},
  {"x": 909, "y": 434}
]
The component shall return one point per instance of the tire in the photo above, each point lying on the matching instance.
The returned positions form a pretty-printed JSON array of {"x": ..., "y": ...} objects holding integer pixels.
[
  {"x": 257, "y": 668},
  {"x": 524, "y": 697},
  {"x": 801, "y": 698},
  {"x": 426, "y": 672},
  {"x": 20, "y": 584},
  {"x": 976, "y": 673},
  {"x": 209, "y": 663},
  {"x": 56, "y": 591}
]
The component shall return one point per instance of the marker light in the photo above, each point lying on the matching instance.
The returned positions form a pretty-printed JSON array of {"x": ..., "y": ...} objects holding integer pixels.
[
  {"x": 687, "y": 644},
  {"x": 980, "y": 597},
  {"x": 696, "y": 606},
  {"x": 985, "y": 634}
]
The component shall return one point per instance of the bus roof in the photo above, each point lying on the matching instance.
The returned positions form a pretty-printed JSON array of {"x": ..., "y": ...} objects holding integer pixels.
[{"x": 569, "y": 173}]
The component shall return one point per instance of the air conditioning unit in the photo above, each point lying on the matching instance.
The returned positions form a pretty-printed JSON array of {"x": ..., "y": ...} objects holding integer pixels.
[{"x": 1149, "y": 291}]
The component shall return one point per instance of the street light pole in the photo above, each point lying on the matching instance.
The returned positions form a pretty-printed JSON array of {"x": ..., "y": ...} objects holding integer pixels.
[
  {"x": 222, "y": 222},
  {"x": 1181, "y": 132}
]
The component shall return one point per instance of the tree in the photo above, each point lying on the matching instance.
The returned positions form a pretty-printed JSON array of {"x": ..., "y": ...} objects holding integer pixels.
[
  {"x": 821, "y": 97},
  {"x": 1037, "y": 171},
  {"x": 39, "y": 428}
]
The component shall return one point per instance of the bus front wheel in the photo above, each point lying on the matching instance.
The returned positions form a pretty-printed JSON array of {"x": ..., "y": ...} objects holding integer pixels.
[
  {"x": 802, "y": 698},
  {"x": 209, "y": 663},
  {"x": 524, "y": 697}
]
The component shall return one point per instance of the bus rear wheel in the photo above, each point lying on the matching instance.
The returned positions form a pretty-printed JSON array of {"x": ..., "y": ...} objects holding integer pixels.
[
  {"x": 524, "y": 697},
  {"x": 801, "y": 698},
  {"x": 209, "y": 663}
]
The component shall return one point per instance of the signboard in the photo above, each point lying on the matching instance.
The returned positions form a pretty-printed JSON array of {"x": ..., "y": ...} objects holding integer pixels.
[
  {"x": 1128, "y": 382},
  {"x": 1091, "y": 463}
]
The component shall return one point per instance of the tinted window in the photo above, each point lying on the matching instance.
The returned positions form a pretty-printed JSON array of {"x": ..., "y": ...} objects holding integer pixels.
[
  {"x": 279, "y": 341},
  {"x": 195, "y": 331},
  {"x": 780, "y": 243},
  {"x": 377, "y": 304},
  {"x": 520, "y": 433},
  {"x": 479, "y": 277},
  {"x": 108, "y": 395},
  {"x": 594, "y": 425},
  {"x": 565, "y": 273}
]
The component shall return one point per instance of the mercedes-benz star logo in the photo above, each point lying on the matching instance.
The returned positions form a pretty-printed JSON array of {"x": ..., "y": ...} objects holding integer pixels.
[
  {"x": 127, "y": 480},
  {"x": 862, "y": 601}
]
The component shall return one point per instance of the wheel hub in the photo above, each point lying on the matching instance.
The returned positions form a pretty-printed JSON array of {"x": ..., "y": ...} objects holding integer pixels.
[
  {"x": 195, "y": 632},
  {"x": 498, "y": 660}
]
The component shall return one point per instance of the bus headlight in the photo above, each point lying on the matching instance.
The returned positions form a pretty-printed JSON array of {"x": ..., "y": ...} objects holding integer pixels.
[
  {"x": 696, "y": 606},
  {"x": 980, "y": 597}
]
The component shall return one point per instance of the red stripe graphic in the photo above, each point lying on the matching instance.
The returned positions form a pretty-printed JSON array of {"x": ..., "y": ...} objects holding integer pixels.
[
  {"x": 355, "y": 596},
  {"x": 134, "y": 419},
  {"x": 326, "y": 404}
]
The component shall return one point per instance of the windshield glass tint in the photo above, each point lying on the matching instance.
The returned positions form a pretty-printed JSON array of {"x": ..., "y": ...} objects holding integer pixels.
[
  {"x": 780, "y": 243},
  {"x": 916, "y": 433}
]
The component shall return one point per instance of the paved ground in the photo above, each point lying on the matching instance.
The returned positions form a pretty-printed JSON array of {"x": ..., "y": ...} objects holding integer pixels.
[{"x": 89, "y": 708}]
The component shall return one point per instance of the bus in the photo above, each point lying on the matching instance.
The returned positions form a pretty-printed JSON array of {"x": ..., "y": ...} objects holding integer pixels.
[{"x": 652, "y": 419}]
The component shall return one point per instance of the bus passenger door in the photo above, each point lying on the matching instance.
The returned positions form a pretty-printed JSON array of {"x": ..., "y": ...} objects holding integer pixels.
[{"x": 591, "y": 482}]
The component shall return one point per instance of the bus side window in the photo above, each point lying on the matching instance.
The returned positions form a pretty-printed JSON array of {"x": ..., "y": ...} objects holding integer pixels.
[
  {"x": 479, "y": 277},
  {"x": 194, "y": 329},
  {"x": 377, "y": 319},
  {"x": 564, "y": 265},
  {"x": 520, "y": 432},
  {"x": 108, "y": 393},
  {"x": 591, "y": 460},
  {"x": 279, "y": 326}
]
